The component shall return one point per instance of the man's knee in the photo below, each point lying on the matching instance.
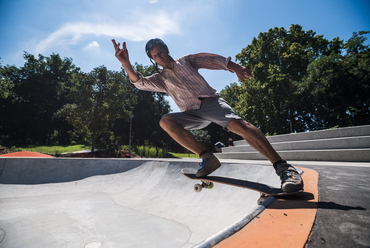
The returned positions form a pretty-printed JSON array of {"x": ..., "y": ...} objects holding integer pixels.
[
  {"x": 235, "y": 125},
  {"x": 241, "y": 127},
  {"x": 167, "y": 122}
]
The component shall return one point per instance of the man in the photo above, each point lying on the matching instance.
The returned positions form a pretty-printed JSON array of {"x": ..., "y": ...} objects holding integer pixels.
[{"x": 200, "y": 105}]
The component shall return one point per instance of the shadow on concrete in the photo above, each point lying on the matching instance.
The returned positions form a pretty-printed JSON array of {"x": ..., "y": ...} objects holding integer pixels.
[{"x": 304, "y": 200}]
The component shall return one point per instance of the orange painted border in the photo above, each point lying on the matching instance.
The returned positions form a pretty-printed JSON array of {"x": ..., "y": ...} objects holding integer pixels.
[
  {"x": 287, "y": 222},
  {"x": 25, "y": 154}
]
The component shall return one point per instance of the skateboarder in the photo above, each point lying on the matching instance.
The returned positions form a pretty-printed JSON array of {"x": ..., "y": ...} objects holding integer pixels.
[{"x": 200, "y": 105}]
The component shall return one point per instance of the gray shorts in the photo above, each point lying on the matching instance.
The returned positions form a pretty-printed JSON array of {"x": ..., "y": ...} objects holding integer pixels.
[{"x": 213, "y": 109}]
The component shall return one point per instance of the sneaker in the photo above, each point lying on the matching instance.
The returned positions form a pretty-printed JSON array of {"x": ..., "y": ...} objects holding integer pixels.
[
  {"x": 208, "y": 165},
  {"x": 291, "y": 180}
]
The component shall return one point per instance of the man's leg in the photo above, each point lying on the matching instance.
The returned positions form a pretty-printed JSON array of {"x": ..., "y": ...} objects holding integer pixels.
[
  {"x": 290, "y": 179},
  {"x": 255, "y": 138},
  {"x": 182, "y": 136}
]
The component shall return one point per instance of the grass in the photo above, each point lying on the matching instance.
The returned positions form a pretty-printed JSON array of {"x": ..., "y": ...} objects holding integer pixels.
[
  {"x": 183, "y": 155},
  {"x": 143, "y": 151},
  {"x": 150, "y": 152},
  {"x": 52, "y": 150}
]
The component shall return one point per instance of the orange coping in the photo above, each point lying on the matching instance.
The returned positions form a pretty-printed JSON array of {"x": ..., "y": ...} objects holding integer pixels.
[
  {"x": 287, "y": 222},
  {"x": 25, "y": 154}
]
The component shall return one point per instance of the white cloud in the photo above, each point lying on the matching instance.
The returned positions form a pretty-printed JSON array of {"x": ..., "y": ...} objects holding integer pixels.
[
  {"x": 92, "y": 45},
  {"x": 144, "y": 27}
]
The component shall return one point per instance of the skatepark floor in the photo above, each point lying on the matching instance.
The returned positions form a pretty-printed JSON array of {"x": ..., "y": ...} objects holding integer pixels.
[{"x": 72, "y": 202}]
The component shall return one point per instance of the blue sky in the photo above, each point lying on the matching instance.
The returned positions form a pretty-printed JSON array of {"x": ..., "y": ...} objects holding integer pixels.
[{"x": 82, "y": 30}]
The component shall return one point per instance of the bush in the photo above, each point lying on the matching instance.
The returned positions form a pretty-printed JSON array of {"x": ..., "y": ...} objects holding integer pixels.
[{"x": 150, "y": 152}]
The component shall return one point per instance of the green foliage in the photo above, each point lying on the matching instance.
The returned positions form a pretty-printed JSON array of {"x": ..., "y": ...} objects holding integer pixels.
[
  {"x": 100, "y": 98},
  {"x": 203, "y": 137},
  {"x": 31, "y": 96},
  {"x": 150, "y": 152},
  {"x": 149, "y": 109},
  {"x": 231, "y": 94},
  {"x": 183, "y": 155},
  {"x": 52, "y": 150},
  {"x": 278, "y": 60},
  {"x": 339, "y": 85},
  {"x": 6, "y": 84},
  {"x": 212, "y": 134},
  {"x": 303, "y": 81},
  {"x": 50, "y": 101}
]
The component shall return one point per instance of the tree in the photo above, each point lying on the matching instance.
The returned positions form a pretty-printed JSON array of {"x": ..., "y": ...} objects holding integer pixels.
[
  {"x": 150, "y": 107},
  {"x": 50, "y": 101},
  {"x": 99, "y": 100},
  {"x": 339, "y": 85},
  {"x": 7, "y": 99},
  {"x": 33, "y": 94},
  {"x": 278, "y": 60},
  {"x": 231, "y": 94}
]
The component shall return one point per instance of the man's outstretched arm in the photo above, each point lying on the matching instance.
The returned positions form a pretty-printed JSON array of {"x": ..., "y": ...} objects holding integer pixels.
[
  {"x": 122, "y": 56},
  {"x": 242, "y": 72}
]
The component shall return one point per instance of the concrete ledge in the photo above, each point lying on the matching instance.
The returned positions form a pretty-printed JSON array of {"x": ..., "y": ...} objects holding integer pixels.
[
  {"x": 320, "y": 134},
  {"x": 344, "y": 155},
  {"x": 334, "y": 143}
]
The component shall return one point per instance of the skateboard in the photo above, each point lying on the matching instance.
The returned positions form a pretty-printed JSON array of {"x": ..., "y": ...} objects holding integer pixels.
[{"x": 263, "y": 189}]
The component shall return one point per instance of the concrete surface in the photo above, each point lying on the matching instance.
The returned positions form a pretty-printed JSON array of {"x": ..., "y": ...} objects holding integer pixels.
[
  {"x": 350, "y": 155},
  {"x": 348, "y": 144},
  {"x": 319, "y": 134},
  {"x": 71, "y": 202},
  {"x": 343, "y": 215},
  {"x": 92, "y": 203},
  {"x": 333, "y": 143}
]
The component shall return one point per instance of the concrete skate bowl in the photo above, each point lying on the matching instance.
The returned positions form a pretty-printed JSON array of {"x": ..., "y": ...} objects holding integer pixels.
[{"x": 69, "y": 202}]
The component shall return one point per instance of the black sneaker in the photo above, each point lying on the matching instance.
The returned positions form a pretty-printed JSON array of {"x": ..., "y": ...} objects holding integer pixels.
[
  {"x": 208, "y": 165},
  {"x": 291, "y": 180}
]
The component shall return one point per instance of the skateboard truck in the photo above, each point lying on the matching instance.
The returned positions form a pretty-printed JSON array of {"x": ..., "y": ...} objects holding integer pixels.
[{"x": 205, "y": 184}]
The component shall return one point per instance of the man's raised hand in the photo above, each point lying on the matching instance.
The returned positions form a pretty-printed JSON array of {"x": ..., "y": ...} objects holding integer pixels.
[
  {"x": 243, "y": 73},
  {"x": 121, "y": 54}
]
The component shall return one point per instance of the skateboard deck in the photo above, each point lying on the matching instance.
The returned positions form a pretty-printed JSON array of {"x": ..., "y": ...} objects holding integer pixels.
[{"x": 208, "y": 182}]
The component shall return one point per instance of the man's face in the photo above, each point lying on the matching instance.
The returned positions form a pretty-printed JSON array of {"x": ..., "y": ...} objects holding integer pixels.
[{"x": 161, "y": 57}]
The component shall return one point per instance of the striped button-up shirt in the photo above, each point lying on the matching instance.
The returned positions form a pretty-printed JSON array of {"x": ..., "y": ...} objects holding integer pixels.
[{"x": 184, "y": 83}]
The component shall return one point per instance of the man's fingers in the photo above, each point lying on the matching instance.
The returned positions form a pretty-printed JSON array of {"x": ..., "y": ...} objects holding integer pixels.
[
  {"x": 114, "y": 43},
  {"x": 244, "y": 75},
  {"x": 247, "y": 73}
]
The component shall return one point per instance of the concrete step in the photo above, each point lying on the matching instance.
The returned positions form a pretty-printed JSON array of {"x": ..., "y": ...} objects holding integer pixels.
[
  {"x": 321, "y": 134},
  {"x": 333, "y": 143},
  {"x": 344, "y": 155}
]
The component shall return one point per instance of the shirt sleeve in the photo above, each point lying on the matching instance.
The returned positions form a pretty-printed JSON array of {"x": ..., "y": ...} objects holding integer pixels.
[
  {"x": 151, "y": 83},
  {"x": 208, "y": 61}
]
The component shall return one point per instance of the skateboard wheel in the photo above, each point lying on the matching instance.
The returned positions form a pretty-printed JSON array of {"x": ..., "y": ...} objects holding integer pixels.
[
  {"x": 197, "y": 187},
  {"x": 211, "y": 185}
]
